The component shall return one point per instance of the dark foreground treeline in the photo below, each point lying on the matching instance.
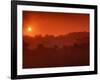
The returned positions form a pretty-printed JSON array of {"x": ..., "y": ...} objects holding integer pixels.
[
  {"x": 76, "y": 55},
  {"x": 59, "y": 41}
]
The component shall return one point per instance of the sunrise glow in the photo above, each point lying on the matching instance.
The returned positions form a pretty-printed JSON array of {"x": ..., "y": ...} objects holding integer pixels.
[
  {"x": 49, "y": 23},
  {"x": 29, "y": 29}
]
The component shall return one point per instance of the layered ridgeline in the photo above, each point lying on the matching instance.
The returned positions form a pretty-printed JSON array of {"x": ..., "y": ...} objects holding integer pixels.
[
  {"x": 50, "y": 41},
  {"x": 56, "y": 51}
]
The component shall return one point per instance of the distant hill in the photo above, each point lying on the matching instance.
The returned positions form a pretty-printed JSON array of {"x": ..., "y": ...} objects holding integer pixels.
[
  {"x": 50, "y": 51},
  {"x": 58, "y": 41}
]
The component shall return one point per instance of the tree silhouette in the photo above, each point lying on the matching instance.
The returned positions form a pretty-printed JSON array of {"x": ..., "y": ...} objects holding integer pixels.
[
  {"x": 76, "y": 45},
  {"x": 51, "y": 51},
  {"x": 25, "y": 44},
  {"x": 55, "y": 46},
  {"x": 40, "y": 46}
]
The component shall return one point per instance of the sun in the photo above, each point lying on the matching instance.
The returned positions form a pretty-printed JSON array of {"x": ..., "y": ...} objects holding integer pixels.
[{"x": 29, "y": 29}]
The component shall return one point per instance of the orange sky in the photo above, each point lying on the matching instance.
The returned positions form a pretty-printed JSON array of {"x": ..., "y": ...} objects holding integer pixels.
[{"x": 49, "y": 23}]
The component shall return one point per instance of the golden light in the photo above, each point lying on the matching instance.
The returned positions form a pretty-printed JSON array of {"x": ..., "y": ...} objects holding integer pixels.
[{"x": 29, "y": 29}]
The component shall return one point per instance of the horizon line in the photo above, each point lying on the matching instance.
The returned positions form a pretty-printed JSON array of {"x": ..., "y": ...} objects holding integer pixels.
[{"x": 56, "y": 35}]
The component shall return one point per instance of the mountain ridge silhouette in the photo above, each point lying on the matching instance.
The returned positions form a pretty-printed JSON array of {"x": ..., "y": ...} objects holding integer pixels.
[
  {"x": 50, "y": 51},
  {"x": 59, "y": 41}
]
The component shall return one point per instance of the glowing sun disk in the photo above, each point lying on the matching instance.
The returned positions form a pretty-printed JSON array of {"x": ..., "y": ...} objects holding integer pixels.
[{"x": 29, "y": 29}]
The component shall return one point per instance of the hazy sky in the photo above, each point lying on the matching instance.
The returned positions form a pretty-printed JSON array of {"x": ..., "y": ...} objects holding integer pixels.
[{"x": 49, "y": 23}]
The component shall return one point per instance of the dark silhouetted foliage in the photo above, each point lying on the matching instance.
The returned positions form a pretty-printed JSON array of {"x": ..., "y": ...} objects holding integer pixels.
[{"x": 50, "y": 51}]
